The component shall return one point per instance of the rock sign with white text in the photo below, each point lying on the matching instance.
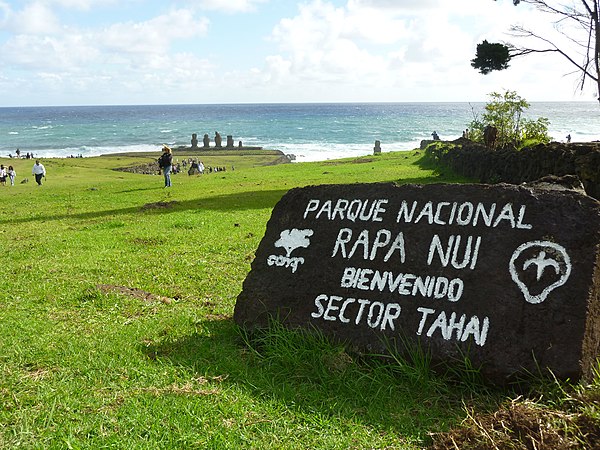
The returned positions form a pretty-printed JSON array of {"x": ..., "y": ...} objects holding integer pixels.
[{"x": 508, "y": 275}]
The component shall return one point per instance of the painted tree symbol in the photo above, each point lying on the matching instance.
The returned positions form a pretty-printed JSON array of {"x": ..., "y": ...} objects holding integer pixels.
[
  {"x": 293, "y": 239},
  {"x": 542, "y": 263}
]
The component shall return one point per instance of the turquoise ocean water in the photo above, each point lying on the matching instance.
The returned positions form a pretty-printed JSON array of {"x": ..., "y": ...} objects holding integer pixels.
[{"x": 312, "y": 132}]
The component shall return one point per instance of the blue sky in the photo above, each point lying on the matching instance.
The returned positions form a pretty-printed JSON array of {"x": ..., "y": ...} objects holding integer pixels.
[{"x": 81, "y": 52}]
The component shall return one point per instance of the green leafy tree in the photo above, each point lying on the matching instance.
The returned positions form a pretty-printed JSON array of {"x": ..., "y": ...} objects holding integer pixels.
[
  {"x": 576, "y": 37},
  {"x": 505, "y": 112},
  {"x": 534, "y": 131},
  {"x": 491, "y": 57}
]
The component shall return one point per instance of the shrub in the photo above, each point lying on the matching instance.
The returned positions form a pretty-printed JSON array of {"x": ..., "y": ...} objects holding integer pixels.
[{"x": 504, "y": 112}]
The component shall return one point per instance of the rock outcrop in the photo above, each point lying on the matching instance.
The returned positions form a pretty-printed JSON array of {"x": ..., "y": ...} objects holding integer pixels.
[{"x": 517, "y": 166}]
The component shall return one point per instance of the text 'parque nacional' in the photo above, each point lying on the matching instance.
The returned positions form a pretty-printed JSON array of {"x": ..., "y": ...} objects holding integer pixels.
[{"x": 439, "y": 213}]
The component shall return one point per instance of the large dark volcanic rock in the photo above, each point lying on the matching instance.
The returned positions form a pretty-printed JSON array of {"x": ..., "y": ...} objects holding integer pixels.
[{"x": 507, "y": 274}]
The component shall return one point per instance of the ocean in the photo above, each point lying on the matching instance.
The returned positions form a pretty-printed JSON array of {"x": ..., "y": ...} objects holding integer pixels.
[{"x": 311, "y": 132}]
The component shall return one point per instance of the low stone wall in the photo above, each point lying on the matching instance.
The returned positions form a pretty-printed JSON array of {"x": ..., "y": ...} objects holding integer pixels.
[
  {"x": 518, "y": 166},
  {"x": 150, "y": 168}
]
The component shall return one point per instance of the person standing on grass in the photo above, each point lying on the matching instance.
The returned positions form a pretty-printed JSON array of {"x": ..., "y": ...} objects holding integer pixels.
[
  {"x": 2, "y": 175},
  {"x": 12, "y": 174},
  {"x": 165, "y": 162},
  {"x": 39, "y": 171}
]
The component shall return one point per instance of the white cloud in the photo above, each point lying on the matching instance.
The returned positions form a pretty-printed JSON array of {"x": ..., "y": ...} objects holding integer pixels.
[
  {"x": 83, "y": 5},
  {"x": 48, "y": 52},
  {"x": 359, "y": 44},
  {"x": 395, "y": 5},
  {"x": 105, "y": 63},
  {"x": 35, "y": 18},
  {"x": 230, "y": 6},
  {"x": 396, "y": 49},
  {"x": 325, "y": 50},
  {"x": 154, "y": 36},
  {"x": 377, "y": 25},
  {"x": 41, "y": 16},
  {"x": 5, "y": 13},
  {"x": 119, "y": 43},
  {"x": 321, "y": 43}
]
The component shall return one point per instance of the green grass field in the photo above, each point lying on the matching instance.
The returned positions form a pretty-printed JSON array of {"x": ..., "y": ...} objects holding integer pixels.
[{"x": 116, "y": 330}]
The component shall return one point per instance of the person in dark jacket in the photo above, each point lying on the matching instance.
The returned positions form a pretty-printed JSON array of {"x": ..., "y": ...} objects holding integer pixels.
[{"x": 165, "y": 162}]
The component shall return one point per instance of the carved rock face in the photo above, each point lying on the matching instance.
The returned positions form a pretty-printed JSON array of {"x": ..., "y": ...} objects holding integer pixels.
[{"x": 508, "y": 275}]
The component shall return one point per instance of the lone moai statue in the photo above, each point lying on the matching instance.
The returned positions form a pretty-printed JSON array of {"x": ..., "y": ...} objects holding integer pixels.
[
  {"x": 217, "y": 140},
  {"x": 229, "y": 141},
  {"x": 240, "y": 144},
  {"x": 206, "y": 141},
  {"x": 194, "y": 140},
  {"x": 377, "y": 148}
]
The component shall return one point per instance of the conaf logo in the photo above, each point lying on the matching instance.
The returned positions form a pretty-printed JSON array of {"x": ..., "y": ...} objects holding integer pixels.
[{"x": 290, "y": 240}]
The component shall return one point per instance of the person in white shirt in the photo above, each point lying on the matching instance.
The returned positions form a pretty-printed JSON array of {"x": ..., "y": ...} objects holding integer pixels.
[
  {"x": 3, "y": 175},
  {"x": 39, "y": 171}
]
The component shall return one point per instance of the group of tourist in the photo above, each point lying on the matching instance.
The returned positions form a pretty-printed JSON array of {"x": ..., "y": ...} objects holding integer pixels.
[
  {"x": 167, "y": 167},
  {"x": 38, "y": 170},
  {"x": 18, "y": 155},
  {"x": 165, "y": 163},
  {"x": 7, "y": 173},
  {"x": 198, "y": 168}
]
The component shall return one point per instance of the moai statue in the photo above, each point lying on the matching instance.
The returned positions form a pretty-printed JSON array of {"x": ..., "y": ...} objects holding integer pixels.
[
  {"x": 377, "y": 148},
  {"x": 217, "y": 140},
  {"x": 229, "y": 141},
  {"x": 240, "y": 144},
  {"x": 206, "y": 141},
  {"x": 194, "y": 140}
]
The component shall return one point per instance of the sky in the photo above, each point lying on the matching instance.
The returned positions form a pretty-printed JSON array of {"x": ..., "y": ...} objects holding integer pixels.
[{"x": 102, "y": 52}]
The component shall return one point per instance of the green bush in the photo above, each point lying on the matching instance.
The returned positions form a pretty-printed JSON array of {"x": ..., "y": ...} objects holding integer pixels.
[{"x": 505, "y": 112}]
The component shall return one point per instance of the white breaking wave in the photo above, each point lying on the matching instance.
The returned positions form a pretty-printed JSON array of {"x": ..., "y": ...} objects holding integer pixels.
[
  {"x": 88, "y": 151},
  {"x": 310, "y": 152}
]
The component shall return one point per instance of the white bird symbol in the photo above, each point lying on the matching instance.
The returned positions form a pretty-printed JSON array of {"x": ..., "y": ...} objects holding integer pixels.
[{"x": 542, "y": 262}]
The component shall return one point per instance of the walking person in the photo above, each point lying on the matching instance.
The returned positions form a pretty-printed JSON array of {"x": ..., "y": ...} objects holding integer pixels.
[
  {"x": 39, "y": 171},
  {"x": 165, "y": 162},
  {"x": 12, "y": 174},
  {"x": 3, "y": 175}
]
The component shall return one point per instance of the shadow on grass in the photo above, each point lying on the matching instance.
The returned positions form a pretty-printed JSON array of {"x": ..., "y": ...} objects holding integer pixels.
[
  {"x": 127, "y": 191},
  {"x": 441, "y": 173},
  {"x": 237, "y": 201},
  {"x": 319, "y": 378},
  {"x": 231, "y": 202}
]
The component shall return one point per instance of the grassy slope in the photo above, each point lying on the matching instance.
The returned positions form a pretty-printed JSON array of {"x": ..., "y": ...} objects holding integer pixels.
[{"x": 85, "y": 362}]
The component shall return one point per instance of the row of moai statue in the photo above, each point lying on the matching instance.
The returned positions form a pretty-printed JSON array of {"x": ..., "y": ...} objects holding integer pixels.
[{"x": 218, "y": 141}]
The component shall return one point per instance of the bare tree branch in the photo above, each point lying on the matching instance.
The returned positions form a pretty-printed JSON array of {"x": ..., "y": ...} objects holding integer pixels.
[
  {"x": 586, "y": 18},
  {"x": 519, "y": 51}
]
